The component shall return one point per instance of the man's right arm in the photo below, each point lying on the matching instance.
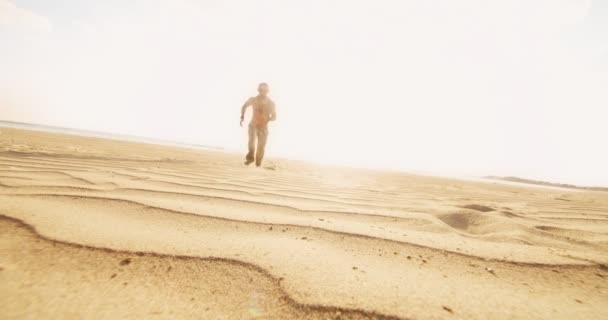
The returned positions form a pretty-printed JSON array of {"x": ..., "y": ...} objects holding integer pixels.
[{"x": 243, "y": 109}]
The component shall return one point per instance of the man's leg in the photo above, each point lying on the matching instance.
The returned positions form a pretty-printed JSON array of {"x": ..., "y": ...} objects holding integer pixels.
[
  {"x": 252, "y": 136},
  {"x": 262, "y": 137}
]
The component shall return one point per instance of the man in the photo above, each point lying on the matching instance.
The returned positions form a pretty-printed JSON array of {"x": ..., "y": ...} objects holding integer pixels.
[{"x": 263, "y": 111}]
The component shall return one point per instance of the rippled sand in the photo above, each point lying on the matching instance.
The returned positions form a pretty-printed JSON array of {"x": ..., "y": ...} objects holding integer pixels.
[{"x": 93, "y": 228}]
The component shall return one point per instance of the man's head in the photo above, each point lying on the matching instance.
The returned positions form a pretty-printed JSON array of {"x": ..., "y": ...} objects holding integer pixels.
[{"x": 263, "y": 88}]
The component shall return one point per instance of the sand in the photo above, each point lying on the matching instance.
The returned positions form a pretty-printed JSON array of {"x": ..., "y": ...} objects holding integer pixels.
[{"x": 104, "y": 229}]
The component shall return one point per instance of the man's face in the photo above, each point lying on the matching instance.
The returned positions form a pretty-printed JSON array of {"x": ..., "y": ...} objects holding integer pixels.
[{"x": 263, "y": 89}]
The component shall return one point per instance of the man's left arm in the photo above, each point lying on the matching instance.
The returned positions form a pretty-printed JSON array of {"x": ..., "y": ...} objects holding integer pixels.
[{"x": 273, "y": 113}]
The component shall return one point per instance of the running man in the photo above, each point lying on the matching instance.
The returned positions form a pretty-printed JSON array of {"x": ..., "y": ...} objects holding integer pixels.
[{"x": 263, "y": 111}]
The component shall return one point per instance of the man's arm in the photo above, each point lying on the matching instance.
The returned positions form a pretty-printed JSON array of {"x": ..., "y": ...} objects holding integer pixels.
[
  {"x": 243, "y": 109},
  {"x": 273, "y": 113}
]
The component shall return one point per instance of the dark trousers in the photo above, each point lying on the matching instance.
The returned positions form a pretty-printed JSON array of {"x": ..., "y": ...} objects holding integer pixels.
[{"x": 259, "y": 134}]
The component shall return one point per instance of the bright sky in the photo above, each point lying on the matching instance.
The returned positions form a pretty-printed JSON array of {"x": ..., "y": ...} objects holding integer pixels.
[{"x": 473, "y": 87}]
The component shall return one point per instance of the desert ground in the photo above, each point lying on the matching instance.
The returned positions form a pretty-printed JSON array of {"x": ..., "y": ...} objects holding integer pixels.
[{"x": 103, "y": 229}]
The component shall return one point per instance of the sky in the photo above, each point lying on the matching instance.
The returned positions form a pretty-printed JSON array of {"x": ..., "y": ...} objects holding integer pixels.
[{"x": 468, "y": 87}]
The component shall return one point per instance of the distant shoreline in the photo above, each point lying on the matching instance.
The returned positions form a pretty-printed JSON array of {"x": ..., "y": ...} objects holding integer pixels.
[
  {"x": 544, "y": 183},
  {"x": 100, "y": 134}
]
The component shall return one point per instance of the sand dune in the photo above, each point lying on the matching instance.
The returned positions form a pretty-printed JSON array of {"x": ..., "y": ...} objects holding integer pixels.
[{"x": 95, "y": 228}]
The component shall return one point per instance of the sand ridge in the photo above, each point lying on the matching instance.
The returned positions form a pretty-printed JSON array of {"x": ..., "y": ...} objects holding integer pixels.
[
  {"x": 361, "y": 243},
  {"x": 112, "y": 266}
]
